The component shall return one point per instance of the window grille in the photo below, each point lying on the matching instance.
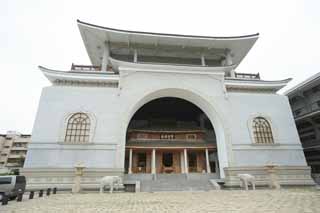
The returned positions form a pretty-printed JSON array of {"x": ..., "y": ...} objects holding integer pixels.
[
  {"x": 142, "y": 136},
  {"x": 167, "y": 136},
  {"x": 78, "y": 128},
  {"x": 191, "y": 137},
  {"x": 262, "y": 131}
]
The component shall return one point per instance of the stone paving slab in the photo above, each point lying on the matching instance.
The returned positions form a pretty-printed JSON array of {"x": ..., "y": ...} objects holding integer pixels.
[{"x": 282, "y": 201}]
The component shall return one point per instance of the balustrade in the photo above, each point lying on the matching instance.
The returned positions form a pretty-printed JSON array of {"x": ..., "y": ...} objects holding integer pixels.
[{"x": 309, "y": 108}]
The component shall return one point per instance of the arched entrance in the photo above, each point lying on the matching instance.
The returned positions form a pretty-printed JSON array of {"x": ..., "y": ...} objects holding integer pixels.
[
  {"x": 133, "y": 101},
  {"x": 170, "y": 135}
]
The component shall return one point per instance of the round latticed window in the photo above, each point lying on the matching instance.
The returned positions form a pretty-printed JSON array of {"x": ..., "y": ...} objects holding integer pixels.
[
  {"x": 78, "y": 128},
  {"x": 262, "y": 131}
]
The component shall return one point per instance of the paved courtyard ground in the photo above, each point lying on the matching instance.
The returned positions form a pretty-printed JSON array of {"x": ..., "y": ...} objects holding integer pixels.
[{"x": 285, "y": 200}]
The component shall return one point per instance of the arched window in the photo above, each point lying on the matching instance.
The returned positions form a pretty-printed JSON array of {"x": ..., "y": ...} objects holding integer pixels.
[
  {"x": 78, "y": 128},
  {"x": 262, "y": 131}
]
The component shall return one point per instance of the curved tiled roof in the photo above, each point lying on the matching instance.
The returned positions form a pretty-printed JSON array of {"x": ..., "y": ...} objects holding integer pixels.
[{"x": 167, "y": 34}]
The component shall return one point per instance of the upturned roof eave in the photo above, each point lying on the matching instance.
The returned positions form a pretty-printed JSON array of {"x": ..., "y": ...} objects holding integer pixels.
[
  {"x": 238, "y": 45},
  {"x": 73, "y": 76},
  {"x": 255, "y": 35},
  {"x": 257, "y": 84}
]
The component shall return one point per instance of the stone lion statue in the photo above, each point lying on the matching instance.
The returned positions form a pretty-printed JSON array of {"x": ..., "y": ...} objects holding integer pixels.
[
  {"x": 246, "y": 179},
  {"x": 111, "y": 182}
]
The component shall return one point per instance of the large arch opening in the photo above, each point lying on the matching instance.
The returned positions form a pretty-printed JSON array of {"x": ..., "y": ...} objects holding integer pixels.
[{"x": 170, "y": 135}]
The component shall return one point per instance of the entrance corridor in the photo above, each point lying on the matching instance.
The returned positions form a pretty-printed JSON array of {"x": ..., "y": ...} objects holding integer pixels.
[{"x": 170, "y": 161}]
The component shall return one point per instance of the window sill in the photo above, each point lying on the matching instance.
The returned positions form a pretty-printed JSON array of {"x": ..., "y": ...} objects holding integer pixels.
[
  {"x": 70, "y": 143},
  {"x": 265, "y": 144}
]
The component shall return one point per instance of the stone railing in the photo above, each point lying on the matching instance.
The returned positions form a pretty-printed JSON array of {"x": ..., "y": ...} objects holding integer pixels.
[
  {"x": 88, "y": 68},
  {"x": 313, "y": 107},
  {"x": 85, "y": 68},
  {"x": 248, "y": 75}
]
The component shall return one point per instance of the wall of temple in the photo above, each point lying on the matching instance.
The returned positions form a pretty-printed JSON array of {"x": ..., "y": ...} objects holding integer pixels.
[
  {"x": 286, "y": 149},
  {"x": 57, "y": 103},
  {"x": 235, "y": 111},
  {"x": 112, "y": 108}
]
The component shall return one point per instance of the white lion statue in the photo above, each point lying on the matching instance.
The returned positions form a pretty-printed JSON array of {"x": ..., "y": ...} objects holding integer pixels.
[
  {"x": 111, "y": 181},
  {"x": 246, "y": 179}
]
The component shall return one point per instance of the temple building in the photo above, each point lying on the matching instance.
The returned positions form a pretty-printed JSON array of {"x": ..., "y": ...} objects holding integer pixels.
[{"x": 157, "y": 106}]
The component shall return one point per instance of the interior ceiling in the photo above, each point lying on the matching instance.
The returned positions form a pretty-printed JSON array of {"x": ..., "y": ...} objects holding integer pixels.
[
  {"x": 169, "y": 108},
  {"x": 168, "y": 111}
]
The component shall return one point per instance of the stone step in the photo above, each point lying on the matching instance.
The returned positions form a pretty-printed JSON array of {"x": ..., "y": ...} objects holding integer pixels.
[
  {"x": 173, "y": 182},
  {"x": 175, "y": 185}
]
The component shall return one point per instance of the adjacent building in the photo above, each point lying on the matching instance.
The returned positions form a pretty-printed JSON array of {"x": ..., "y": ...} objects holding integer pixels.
[
  {"x": 13, "y": 150},
  {"x": 305, "y": 103},
  {"x": 158, "y": 105}
]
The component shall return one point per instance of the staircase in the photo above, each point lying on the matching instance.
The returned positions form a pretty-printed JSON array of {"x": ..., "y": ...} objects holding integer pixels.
[{"x": 175, "y": 182}]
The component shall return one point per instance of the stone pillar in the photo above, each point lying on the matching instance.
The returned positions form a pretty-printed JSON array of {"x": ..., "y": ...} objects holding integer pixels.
[
  {"x": 217, "y": 164},
  {"x": 105, "y": 56},
  {"x": 182, "y": 162},
  {"x": 229, "y": 62},
  {"x": 232, "y": 73},
  {"x": 228, "y": 59},
  {"x": 207, "y": 161},
  {"x": 135, "y": 56},
  {"x": 76, "y": 188},
  {"x": 186, "y": 169},
  {"x": 130, "y": 162},
  {"x": 153, "y": 162},
  {"x": 203, "y": 61},
  {"x": 273, "y": 177}
]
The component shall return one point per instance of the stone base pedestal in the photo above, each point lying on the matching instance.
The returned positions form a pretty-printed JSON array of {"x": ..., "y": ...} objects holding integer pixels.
[
  {"x": 76, "y": 188},
  {"x": 63, "y": 178},
  {"x": 287, "y": 175}
]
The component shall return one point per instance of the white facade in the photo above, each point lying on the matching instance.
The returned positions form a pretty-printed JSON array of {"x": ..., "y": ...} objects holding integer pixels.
[{"x": 111, "y": 100}]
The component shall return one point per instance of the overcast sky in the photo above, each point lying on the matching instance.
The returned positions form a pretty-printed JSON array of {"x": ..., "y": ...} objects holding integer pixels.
[{"x": 41, "y": 32}]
